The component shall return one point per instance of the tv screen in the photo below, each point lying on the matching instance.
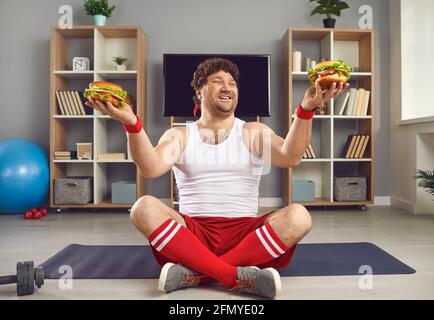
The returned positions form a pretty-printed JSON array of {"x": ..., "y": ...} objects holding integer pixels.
[{"x": 253, "y": 83}]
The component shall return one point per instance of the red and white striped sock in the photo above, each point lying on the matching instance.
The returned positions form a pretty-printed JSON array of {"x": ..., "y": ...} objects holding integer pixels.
[
  {"x": 180, "y": 245},
  {"x": 258, "y": 247}
]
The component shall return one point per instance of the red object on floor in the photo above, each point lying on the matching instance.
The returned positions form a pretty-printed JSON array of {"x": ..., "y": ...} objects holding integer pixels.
[
  {"x": 43, "y": 211},
  {"x": 33, "y": 210},
  {"x": 28, "y": 215},
  {"x": 37, "y": 215}
]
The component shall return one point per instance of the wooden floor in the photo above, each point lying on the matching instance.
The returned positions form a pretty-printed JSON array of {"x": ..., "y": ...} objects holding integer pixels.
[{"x": 409, "y": 238}]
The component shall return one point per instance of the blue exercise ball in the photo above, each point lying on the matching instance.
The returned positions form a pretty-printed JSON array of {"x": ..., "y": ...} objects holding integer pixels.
[{"x": 24, "y": 175}]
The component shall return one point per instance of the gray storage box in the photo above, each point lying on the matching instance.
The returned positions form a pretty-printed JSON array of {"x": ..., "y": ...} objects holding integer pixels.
[
  {"x": 303, "y": 190},
  {"x": 73, "y": 190},
  {"x": 124, "y": 192},
  {"x": 350, "y": 188}
]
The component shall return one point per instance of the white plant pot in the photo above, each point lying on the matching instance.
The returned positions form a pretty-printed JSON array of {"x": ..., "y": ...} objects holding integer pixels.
[{"x": 121, "y": 67}]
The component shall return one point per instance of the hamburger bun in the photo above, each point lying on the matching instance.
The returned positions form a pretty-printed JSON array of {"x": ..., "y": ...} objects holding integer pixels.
[
  {"x": 105, "y": 84},
  {"x": 107, "y": 92},
  {"x": 327, "y": 81}
]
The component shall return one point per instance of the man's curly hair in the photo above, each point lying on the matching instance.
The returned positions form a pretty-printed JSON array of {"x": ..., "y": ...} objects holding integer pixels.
[{"x": 211, "y": 66}]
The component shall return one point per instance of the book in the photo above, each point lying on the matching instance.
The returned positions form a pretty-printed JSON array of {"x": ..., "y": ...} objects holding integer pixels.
[
  {"x": 62, "y": 153},
  {"x": 309, "y": 156},
  {"x": 360, "y": 103},
  {"x": 351, "y": 99},
  {"x": 65, "y": 105},
  {"x": 75, "y": 102},
  {"x": 304, "y": 155},
  {"x": 365, "y": 144},
  {"x": 71, "y": 103},
  {"x": 353, "y": 151},
  {"x": 60, "y": 104},
  {"x": 366, "y": 105},
  {"x": 62, "y": 158},
  {"x": 114, "y": 155},
  {"x": 312, "y": 151},
  {"x": 342, "y": 102},
  {"x": 351, "y": 146},
  {"x": 347, "y": 146},
  {"x": 80, "y": 102},
  {"x": 359, "y": 147},
  {"x": 357, "y": 102}
]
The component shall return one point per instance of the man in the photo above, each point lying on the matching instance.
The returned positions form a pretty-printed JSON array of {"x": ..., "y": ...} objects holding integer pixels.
[{"x": 216, "y": 234}]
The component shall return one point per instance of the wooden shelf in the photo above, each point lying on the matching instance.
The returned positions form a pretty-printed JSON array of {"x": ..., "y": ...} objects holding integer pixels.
[
  {"x": 357, "y": 48},
  {"x": 128, "y": 74},
  {"x": 99, "y": 44}
]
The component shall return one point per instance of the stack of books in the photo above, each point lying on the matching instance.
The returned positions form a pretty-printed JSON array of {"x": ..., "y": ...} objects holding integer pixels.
[
  {"x": 355, "y": 146},
  {"x": 309, "y": 153},
  {"x": 111, "y": 156},
  {"x": 354, "y": 102},
  {"x": 65, "y": 155},
  {"x": 70, "y": 103}
]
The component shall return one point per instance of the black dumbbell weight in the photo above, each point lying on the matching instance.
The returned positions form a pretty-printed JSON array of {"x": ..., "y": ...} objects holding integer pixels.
[{"x": 27, "y": 278}]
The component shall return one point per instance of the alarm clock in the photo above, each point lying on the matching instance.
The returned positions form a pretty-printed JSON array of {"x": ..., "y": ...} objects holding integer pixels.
[{"x": 80, "y": 64}]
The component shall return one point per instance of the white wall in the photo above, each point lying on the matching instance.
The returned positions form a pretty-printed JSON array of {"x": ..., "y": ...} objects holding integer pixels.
[
  {"x": 405, "y": 154},
  {"x": 417, "y": 47}
]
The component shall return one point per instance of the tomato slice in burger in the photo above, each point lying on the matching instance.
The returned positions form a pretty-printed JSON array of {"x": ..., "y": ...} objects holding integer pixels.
[{"x": 326, "y": 73}]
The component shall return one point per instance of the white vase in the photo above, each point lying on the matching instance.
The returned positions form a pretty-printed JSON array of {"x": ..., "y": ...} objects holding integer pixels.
[{"x": 121, "y": 67}]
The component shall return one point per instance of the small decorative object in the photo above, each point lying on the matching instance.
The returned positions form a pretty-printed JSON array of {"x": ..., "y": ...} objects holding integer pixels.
[
  {"x": 296, "y": 61},
  {"x": 321, "y": 110},
  {"x": 99, "y": 10},
  {"x": 84, "y": 151},
  {"x": 329, "y": 8},
  {"x": 307, "y": 65},
  {"x": 312, "y": 64},
  {"x": 120, "y": 63},
  {"x": 80, "y": 64},
  {"x": 425, "y": 179}
]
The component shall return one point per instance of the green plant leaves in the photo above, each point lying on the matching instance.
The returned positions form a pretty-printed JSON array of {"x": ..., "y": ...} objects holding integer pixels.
[
  {"x": 425, "y": 179},
  {"x": 329, "y": 7},
  {"x": 98, "y": 7}
]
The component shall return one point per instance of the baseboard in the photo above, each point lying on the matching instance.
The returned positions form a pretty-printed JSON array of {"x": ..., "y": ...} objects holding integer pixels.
[
  {"x": 381, "y": 201},
  {"x": 402, "y": 204},
  {"x": 270, "y": 202}
]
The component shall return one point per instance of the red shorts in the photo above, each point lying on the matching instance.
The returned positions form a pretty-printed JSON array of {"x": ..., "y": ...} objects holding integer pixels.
[{"x": 220, "y": 235}]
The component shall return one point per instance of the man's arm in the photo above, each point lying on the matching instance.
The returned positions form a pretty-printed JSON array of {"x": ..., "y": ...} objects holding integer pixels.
[
  {"x": 151, "y": 162},
  {"x": 288, "y": 152},
  {"x": 154, "y": 162}
]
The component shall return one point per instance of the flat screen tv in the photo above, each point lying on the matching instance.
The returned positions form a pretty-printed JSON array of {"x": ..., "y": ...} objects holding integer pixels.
[{"x": 253, "y": 83}]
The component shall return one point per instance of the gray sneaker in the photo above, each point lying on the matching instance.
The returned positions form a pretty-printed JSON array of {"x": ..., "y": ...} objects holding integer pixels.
[
  {"x": 264, "y": 283},
  {"x": 176, "y": 276}
]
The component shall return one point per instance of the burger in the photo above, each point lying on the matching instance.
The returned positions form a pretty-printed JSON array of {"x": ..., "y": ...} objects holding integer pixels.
[
  {"x": 107, "y": 92},
  {"x": 327, "y": 72}
]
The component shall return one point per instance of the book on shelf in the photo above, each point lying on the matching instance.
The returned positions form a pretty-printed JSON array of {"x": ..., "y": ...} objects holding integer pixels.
[
  {"x": 60, "y": 104},
  {"x": 312, "y": 151},
  {"x": 65, "y": 155},
  {"x": 309, "y": 153},
  {"x": 365, "y": 144},
  {"x": 341, "y": 102},
  {"x": 70, "y": 103},
  {"x": 359, "y": 147},
  {"x": 353, "y": 103},
  {"x": 355, "y": 146},
  {"x": 111, "y": 156}
]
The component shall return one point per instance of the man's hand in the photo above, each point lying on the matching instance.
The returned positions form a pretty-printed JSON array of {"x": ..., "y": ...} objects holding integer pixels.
[
  {"x": 315, "y": 96},
  {"x": 125, "y": 115}
]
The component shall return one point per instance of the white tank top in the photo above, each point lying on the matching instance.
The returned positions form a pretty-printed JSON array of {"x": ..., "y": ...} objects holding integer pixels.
[{"x": 218, "y": 180}]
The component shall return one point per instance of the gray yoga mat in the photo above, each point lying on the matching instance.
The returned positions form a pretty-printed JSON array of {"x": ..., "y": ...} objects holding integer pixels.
[{"x": 137, "y": 262}]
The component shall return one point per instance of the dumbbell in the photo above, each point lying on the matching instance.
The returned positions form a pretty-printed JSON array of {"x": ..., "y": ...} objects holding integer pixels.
[{"x": 27, "y": 278}]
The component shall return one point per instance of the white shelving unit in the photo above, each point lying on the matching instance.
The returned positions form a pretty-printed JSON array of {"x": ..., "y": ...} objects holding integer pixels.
[
  {"x": 105, "y": 134},
  {"x": 356, "y": 47}
]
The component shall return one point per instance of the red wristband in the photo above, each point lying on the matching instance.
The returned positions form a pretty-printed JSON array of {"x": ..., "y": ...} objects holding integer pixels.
[
  {"x": 303, "y": 114},
  {"x": 134, "y": 128}
]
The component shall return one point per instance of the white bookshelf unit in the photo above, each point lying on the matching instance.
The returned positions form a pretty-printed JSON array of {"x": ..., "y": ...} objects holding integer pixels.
[
  {"x": 100, "y": 45},
  {"x": 330, "y": 131}
]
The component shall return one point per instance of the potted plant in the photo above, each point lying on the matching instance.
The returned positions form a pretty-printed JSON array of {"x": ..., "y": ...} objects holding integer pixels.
[
  {"x": 329, "y": 8},
  {"x": 99, "y": 10},
  {"x": 120, "y": 63},
  {"x": 425, "y": 179}
]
